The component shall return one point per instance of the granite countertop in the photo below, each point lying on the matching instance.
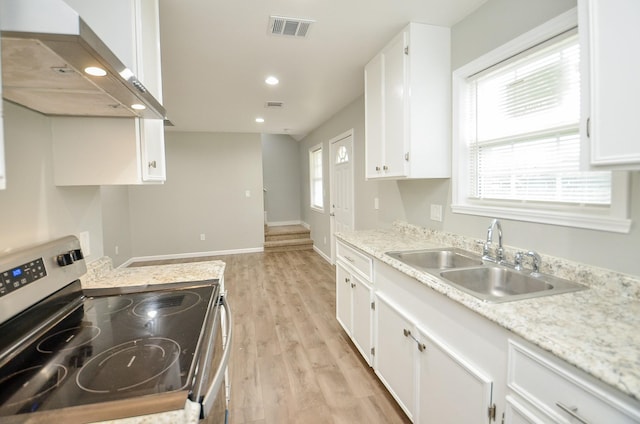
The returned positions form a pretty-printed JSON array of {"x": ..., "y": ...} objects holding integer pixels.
[
  {"x": 101, "y": 274},
  {"x": 596, "y": 330}
]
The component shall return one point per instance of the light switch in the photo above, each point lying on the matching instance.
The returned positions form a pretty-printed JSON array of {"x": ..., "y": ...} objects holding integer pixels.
[
  {"x": 247, "y": 193},
  {"x": 436, "y": 213},
  {"x": 376, "y": 203}
]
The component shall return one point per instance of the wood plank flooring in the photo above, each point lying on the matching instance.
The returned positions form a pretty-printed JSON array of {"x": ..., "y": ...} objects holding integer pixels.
[{"x": 291, "y": 361}]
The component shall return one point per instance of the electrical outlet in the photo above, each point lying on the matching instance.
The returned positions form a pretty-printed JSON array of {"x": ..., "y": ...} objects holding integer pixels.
[
  {"x": 203, "y": 237},
  {"x": 117, "y": 249},
  {"x": 376, "y": 203},
  {"x": 247, "y": 193},
  {"x": 436, "y": 213}
]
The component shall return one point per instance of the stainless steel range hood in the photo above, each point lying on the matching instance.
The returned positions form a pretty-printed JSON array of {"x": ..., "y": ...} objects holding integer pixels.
[{"x": 46, "y": 47}]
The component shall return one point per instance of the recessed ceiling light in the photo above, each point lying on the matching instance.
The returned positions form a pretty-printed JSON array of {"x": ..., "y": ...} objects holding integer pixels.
[
  {"x": 138, "y": 106},
  {"x": 95, "y": 71},
  {"x": 259, "y": 120},
  {"x": 272, "y": 80}
]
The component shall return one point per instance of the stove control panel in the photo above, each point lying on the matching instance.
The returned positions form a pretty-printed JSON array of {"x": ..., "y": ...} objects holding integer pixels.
[{"x": 22, "y": 275}]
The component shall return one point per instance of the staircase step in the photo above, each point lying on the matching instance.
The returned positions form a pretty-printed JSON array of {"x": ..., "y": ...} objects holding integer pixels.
[
  {"x": 288, "y": 245},
  {"x": 286, "y": 232}
]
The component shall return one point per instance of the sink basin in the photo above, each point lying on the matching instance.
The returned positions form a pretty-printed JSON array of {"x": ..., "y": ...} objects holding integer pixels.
[
  {"x": 437, "y": 258},
  {"x": 499, "y": 284}
]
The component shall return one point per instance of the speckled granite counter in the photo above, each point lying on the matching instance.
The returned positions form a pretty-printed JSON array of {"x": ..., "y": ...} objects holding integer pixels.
[
  {"x": 596, "y": 330},
  {"x": 100, "y": 274}
]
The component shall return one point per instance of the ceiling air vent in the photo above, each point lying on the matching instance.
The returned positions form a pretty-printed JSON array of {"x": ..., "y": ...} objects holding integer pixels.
[
  {"x": 293, "y": 27},
  {"x": 274, "y": 105}
]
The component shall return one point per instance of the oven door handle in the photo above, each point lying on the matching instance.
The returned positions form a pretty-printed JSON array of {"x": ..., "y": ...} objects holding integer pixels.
[{"x": 218, "y": 379}]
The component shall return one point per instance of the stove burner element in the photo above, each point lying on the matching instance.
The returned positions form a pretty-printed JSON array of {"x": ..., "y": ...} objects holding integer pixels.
[
  {"x": 68, "y": 339},
  {"x": 117, "y": 304},
  {"x": 166, "y": 304},
  {"x": 130, "y": 365},
  {"x": 29, "y": 383}
]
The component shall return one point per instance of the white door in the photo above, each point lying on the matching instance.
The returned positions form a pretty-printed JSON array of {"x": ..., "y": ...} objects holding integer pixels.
[{"x": 341, "y": 196}]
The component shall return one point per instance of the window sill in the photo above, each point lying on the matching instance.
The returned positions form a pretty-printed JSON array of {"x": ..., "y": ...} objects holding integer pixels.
[
  {"x": 317, "y": 209},
  {"x": 562, "y": 218}
]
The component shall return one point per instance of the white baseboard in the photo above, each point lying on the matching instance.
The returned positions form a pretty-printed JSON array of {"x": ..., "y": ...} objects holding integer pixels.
[
  {"x": 321, "y": 253},
  {"x": 305, "y": 225},
  {"x": 191, "y": 255},
  {"x": 282, "y": 223}
]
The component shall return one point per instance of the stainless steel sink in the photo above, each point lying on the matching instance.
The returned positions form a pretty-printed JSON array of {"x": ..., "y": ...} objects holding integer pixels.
[
  {"x": 500, "y": 284},
  {"x": 437, "y": 258}
]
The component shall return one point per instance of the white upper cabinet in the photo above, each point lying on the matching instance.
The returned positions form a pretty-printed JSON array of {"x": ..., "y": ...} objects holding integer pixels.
[
  {"x": 407, "y": 106},
  {"x": 106, "y": 151},
  {"x": 610, "y": 71}
]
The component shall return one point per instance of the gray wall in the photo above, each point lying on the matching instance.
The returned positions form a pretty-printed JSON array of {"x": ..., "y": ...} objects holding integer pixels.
[
  {"x": 32, "y": 208},
  {"x": 281, "y": 176},
  {"x": 207, "y": 177},
  {"x": 116, "y": 223},
  {"x": 493, "y": 24}
]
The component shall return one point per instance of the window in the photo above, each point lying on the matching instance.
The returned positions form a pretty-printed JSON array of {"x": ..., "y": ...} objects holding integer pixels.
[
  {"x": 315, "y": 177},
  {"x": 517, "y": 136}
]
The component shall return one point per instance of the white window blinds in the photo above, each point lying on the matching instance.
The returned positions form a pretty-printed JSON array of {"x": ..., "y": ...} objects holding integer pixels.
[{"x": 523, "y": 126}]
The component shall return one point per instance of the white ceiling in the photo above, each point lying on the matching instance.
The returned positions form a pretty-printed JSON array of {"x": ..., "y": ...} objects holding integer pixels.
[{"x": 216, "y": 55}]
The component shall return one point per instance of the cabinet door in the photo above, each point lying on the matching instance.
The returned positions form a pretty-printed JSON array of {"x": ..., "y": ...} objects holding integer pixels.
[
  {"x": 610, "y": 82},
  {"x": 361, "y": 317},
  {"x": 343, "y": 297},
  {"x": 445, "y": 375},
  {"x": 516, "y": 413},
  {"x": 152, "y": 145},
  {"x": 147, "y": 20},
  {"x": 394, "y": 354},
  {"x": 373, "y": 120},
  {"x": 395, "y": 106}
]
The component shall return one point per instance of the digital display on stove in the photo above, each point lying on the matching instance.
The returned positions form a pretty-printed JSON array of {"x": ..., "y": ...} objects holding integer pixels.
[{"x": 18, "y": 277}]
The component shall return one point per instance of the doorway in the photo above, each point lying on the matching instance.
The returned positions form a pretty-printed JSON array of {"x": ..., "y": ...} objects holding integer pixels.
[{"x": 341, "y": 186}]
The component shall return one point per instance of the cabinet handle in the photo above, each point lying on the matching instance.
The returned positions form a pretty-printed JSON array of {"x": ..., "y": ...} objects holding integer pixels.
[
  {"x": 346, "y": 279},
  {"x": 350, "y": 259},
  {"x": 589, "y": 127},
  {"x": 353, "y": 285},
  {"x": 152, "y": 164},
  {"x": 377, "y": 168},
  {"x": 407, "y": 333},
  {"x": 385, "y": 168},
  {"x": 573, "y": 411}
]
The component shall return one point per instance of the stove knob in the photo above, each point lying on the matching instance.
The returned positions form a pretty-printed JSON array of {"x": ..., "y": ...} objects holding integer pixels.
[
  {"x": 66, "y": 259},
  {"x": 77, "y": 254}
]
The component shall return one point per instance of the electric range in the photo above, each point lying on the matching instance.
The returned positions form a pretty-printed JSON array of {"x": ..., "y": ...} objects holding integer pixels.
[{"x": 89, "y": 355}]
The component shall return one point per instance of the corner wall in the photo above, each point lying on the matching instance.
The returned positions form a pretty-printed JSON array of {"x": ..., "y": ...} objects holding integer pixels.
[{"x": 208, "y": 178}]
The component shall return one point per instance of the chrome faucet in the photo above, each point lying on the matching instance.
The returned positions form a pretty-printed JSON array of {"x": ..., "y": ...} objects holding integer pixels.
[{"x": 495, "y": 224}]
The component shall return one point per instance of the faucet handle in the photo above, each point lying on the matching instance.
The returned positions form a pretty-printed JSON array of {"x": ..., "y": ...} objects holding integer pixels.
[
  {"x": 517, "y": 260},
  {"x": 537, "y": 261}
]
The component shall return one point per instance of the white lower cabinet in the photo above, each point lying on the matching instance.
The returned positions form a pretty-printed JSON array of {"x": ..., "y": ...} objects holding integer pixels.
[
  {"x": 434, "y": 357},
  {"x": 559, "y": 393},
  {"x": 516, "y": 413},
  {"x": 451, "y": 388},
  {"x": 394, "y": 359},
  {"x": 353, "y": 308}
]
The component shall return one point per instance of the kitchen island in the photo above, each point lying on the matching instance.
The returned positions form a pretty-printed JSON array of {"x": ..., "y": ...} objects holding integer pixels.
[
  {"x": 101, "y": 274},
  {"x": 593, "y": 330}
]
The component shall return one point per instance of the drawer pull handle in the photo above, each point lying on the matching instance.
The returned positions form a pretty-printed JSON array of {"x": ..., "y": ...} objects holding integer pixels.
[
  {"x": 407, "y": 333},
  {"x": 346, "y": 279},
  {"x": 571, "y": 410},
  {"x": 350, "y": 259}
]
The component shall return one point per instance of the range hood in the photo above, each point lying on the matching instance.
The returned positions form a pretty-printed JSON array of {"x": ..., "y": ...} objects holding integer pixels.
[{"x": 46, "y": 48}]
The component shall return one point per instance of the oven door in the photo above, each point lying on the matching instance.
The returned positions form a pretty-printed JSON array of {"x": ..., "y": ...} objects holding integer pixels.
[{"x": 211, "y": 390}]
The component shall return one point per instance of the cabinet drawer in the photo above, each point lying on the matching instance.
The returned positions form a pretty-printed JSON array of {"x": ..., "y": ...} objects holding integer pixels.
[
  {"x": 558, "y": 390},
  {"x": 361, "y": 264}
]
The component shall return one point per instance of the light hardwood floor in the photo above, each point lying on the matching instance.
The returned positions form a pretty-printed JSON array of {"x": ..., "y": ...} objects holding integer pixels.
[{"x": 291, "y": 361}]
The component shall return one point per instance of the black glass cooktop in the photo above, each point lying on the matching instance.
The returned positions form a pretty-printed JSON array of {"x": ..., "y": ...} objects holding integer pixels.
[{"x": 109, "y": 348}]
